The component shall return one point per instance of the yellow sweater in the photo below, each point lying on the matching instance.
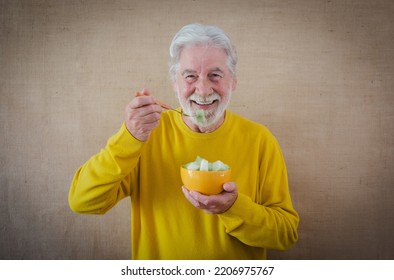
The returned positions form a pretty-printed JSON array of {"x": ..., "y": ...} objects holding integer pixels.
[{"x": 164, "y": 224}]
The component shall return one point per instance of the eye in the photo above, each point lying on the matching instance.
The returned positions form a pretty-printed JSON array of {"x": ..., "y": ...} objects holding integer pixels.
[
  {"x": 215, "y": 76},
  {"x": 190, "y": 78}
]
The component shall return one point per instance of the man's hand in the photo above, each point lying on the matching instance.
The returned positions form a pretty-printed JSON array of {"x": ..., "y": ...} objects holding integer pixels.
[
  {"x": 213, "y": 204},
  {"x": 142, "y": 115}
]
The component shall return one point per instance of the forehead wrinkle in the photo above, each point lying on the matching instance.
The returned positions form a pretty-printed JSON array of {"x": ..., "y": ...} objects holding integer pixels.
[
  {"x": 189, "y": 71},
  {"x": 216, "y": 69},
  {"x": 199, "y": 57}
]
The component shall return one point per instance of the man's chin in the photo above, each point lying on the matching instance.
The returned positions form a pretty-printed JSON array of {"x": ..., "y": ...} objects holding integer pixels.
[{"x": 211, "y": 119}]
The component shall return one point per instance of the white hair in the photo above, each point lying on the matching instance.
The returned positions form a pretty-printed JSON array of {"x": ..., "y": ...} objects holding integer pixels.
[{"x": 198, "y": 34}]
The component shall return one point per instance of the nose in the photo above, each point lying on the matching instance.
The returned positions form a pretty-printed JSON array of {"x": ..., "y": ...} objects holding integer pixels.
[{"x": 203, "y": 86}]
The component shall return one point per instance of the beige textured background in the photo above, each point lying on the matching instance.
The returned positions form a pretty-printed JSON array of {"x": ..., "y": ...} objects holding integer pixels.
[{"x": 318, "y": 73}]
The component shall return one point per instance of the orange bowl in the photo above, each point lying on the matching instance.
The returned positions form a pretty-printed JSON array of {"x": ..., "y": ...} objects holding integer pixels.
[{"x": 205, "y": 182}]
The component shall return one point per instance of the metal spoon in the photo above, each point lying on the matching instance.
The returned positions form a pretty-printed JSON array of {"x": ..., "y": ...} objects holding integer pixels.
[
  {"x": 164, "y": 105},
  {"x": 167, "y": 107}
]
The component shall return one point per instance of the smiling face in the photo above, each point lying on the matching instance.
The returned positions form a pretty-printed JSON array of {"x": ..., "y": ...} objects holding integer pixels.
[{"x": 204, "y": 82}]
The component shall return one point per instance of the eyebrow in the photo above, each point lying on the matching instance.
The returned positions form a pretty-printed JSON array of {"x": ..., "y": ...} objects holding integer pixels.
[
  {"x": 216, "y": 69},
  {"x": 189, "y": 71}
]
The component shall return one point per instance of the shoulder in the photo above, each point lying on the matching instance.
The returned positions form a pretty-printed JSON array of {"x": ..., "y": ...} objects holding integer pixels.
[
  {"x": 253, "y": 133},
  {"x": 248, "y": 126},
  {"x": 258, "y": 136}
]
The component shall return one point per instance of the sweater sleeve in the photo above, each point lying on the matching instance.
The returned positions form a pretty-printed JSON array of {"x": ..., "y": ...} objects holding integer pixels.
[
  {"x": 268, "y": 219},
  {"x": 105, "y": 178}
]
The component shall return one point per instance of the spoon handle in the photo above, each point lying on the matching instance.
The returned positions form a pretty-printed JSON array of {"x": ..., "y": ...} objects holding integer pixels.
[{"x": 164, "y": 105}]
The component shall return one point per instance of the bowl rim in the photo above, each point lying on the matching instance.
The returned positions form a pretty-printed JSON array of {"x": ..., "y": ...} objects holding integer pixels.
[{"x": 206, "y": 171}]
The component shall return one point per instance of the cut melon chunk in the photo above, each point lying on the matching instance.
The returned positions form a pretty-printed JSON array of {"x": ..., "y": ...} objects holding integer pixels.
[
  {"x": 200, "y": 116},
  {"x": 203, "y": 165},
  {"x": 192, "y": 166},
  {"x": 219, "y": 166}
]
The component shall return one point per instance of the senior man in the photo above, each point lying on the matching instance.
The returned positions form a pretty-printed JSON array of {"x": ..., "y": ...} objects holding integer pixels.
[{"x": 252, "y": 213}]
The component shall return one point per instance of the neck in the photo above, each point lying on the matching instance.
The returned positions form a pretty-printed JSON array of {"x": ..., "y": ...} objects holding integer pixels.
[{"x": 203, "y": 129}]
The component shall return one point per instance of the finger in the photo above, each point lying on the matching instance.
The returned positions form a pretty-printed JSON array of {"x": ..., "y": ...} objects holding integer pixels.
[
  {"x": 141, "y": 121},
  {"x": 137, "y": 109},
  {"x": 230, "y": 187},
  {"x": 162, "y": 104},
  {"x": 203, "y": 199},
  {"x": 147, "y": 115},
  {"x": 190, "y": 198},
  {"x": 141, "y": 101},
  {"x": 144, "y": 91}
]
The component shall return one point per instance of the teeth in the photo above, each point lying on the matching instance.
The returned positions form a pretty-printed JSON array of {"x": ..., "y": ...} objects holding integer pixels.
[
  {"x": 204, "y": 103},
  {"x": 207, "y": 100}
]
